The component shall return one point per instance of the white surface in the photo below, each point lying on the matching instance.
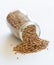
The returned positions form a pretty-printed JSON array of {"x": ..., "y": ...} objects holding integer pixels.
[{"x": 41, "y": 11}]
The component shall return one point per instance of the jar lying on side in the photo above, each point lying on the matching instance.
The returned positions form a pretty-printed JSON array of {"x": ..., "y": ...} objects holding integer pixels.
[{"x": 17, "y": 22}]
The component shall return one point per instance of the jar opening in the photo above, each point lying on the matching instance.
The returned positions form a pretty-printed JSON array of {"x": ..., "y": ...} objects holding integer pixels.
[{"x": 38, "y": 31}]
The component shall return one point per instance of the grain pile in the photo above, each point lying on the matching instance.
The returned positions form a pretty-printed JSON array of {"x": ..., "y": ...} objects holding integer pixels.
[{"x": 31, "y": 42}]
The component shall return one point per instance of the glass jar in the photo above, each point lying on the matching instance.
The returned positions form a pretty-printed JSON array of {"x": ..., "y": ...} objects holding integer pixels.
[{"x": 18, "y": 21}]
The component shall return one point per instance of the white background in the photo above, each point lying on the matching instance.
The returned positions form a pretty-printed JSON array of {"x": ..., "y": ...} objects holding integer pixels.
[{"x": 41, "y": 11}]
